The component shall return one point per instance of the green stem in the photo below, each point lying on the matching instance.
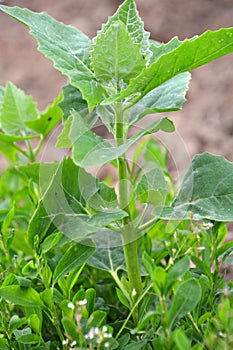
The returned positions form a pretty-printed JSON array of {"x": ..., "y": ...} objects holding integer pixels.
[
  {"x": 38, "y": 148},
  {"x": 31, "y": 154},
  {"x": 129, "y": 234}
]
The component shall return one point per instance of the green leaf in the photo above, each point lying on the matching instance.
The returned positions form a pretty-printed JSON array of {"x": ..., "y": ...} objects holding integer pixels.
[
  {"x": 90, "y": 150},
  {"x": 177, "y": 271},
  {"x": 152, "y": 187},
  {"x": 192, "y": 53},
  {"x": 63, "y": 140},
  {"x": 4, "y": 344},
  {"x": 170, "y": 96},
  {"x": 51, "y": 241},
  {"x": 187, "y": 296},
  {"x": 160, "y": 49},
  {"x": 7, "y": 145},
  {"x": 62, "y": 208},
  {"x": 107, "y": 116},
  {"x": 79, "y": 226},
  {"x": 206, "y": 192},
  {"x": 136, "y": 345},
  {"x": 98, "y": 318},
  {"x": 29, "y": 339},
  {"x": 21, "y": 296},
  {"x": 17, "y": 108},
  {"x": 127, "y": 13},
  {"x": 35, "y": 323},
  {"x": 70, "y": 328},
  {"x": 46, "y": 121},
  {"x": 109, "y": 254},
  {"x": 72, "y": 100},
  {"x": 115, "y": 56},
  {"x": 75, "y": 126},
  {"x": 66, "y": 46},
  {"x": 182, "y": 342},
  {"x": 77, "y": 255}
]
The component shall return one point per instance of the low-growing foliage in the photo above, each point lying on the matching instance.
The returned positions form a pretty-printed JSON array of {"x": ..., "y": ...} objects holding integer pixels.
[{"x": 128, "y": 262}]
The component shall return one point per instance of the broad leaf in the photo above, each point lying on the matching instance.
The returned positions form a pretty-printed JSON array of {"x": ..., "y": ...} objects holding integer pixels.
[
  {"x": 62, "y": 207},
  {"x": 66, "y": 46},
  {"x": 152, "y": 187},
  {"x": 73, "y": 101},
  {"x": 160, "y": 49},
  {"x": 109, "y": 255},
  {"x": 188, "y": 295},
  {"x": 206, "y": 192},
  {"x": 46, "y": 121},
  {"x": 115, "y": 56},
  {"x": 76, "y": 256},
  {"x": 75, "y": 126},
  {"x": 107, "y": 116},
  {"x": 91, "y": 150},
  {"x": 127, "y": 13},
  {"x": 21, "y": 296},
  {"x": 170, "y": 96},
  {"x": 192, "y": 53},
  {"x": 17, "y": 108}
]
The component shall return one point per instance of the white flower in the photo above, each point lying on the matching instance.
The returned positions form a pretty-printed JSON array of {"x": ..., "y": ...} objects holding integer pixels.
[{"x": 71, "y": 306}]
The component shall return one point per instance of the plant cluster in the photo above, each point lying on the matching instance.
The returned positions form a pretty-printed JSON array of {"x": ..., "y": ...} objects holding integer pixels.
[{"x": 89, "y": 265}]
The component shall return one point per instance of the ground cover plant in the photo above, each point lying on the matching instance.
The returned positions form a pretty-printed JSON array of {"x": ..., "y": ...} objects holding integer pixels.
[{"x": 85, "y": 263}]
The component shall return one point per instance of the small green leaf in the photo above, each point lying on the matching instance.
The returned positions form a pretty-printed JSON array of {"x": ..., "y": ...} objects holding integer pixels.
[
  {"x": 34, "y": 323},
  {"x": 21, "y": 296},
  {"x": 187, "y": 296},
  {"x": 115, "y": 56},
  {"x": 29, "y": 339},
  {"x": 177, "y": 271},
  {"x": 70, "y": 328},
  {"x": 182, "y": 342},
  {"x": 66, "y": 46},
  {"x": 192, "y": 53},
  {"x": 16, "y": 322},
  {"x": 17, "y": 108},
  {"x": 98, "y": 318},
  {"x": 7, "y": 222},
  {"x": 51, "y": 241},
  {"x": 75, "y": 256},
  {"x": 46, "y": 121}
]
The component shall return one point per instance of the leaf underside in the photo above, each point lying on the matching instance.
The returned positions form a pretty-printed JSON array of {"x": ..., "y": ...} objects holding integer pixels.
[{"x": 206, "y": 192}]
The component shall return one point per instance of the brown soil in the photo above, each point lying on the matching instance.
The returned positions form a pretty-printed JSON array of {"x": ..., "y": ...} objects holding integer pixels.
[{"x": 206, "y": 121}]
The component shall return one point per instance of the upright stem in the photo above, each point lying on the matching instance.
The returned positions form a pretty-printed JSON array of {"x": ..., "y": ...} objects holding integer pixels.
[{"x": 129, "y": 234}]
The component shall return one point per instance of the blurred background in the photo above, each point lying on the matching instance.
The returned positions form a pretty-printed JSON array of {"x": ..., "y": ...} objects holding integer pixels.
[{"x": 206, "y": 121}]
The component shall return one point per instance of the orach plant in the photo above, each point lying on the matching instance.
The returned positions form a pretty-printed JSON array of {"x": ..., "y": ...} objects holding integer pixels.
[{"x": 86, "y": 264}]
